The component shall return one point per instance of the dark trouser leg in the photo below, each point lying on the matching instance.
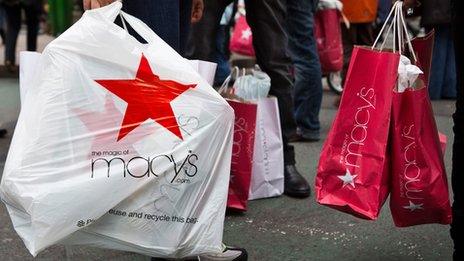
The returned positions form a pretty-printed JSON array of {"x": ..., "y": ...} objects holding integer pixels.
[
  {"x": 13, "y": 24},
  {"x": 166, "y": 17},
  {"x": 202, "y": 44},
  {"x": 32, "y": 20},
  {"x": 185, "y": 13},
  {"x": 266, "y": 19},
  {"x": 303, "y": 50},
  {"x": 449, "y": 85},
  {"x": 438, "y": 68},
  {"x": 457, "y": 174},
  {"x": 357, "y": 34},
  {"x": 223, "y": 69}
]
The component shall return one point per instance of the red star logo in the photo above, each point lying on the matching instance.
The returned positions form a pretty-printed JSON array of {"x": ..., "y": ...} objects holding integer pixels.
[
  {"x": 101, "y": 124},
  {"x": 147, "y": 97}
]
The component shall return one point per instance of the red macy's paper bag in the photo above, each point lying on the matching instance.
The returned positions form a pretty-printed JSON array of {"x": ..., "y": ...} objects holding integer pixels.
[
  {"x": 419, "y": 185},
  {"x": 242, "y": 154},
  {"x": 352, "y": 174}
]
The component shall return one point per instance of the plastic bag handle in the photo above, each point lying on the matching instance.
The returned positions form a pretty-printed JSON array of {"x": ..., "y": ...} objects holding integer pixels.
[
  {"x": 139, "y": 27},
  {"x": 225, "y": 84},
  {"x": 111, "y": 11}
]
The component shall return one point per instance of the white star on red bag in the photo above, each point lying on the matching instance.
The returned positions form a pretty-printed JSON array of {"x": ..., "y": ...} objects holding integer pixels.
[
  {"x": 413, "y": 207},
  {"x": 246, "y": 34},
  {"x": 348, "y": 178}
]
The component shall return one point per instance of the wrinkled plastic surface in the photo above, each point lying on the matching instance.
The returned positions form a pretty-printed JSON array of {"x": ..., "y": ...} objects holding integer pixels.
[
  {"x": 353, "y": 167},
  {"x": 119, "y": 145},
  {"x": 419, "y": 184},
  {"x": 253, "y": 86},
  {"x": 407, "y": 74},
  {"x": 330, "y": 4}
]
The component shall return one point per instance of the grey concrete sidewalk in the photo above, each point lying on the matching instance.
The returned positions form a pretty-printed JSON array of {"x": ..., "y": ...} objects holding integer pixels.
[{"x": 273, "y": 229}]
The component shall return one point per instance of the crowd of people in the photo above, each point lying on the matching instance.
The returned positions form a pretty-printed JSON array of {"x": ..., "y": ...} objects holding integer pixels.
[{"x": 285, "y": 49}]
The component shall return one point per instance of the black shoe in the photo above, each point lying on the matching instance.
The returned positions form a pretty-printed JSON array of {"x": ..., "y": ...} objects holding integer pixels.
[
  {"x": 2, "y": 133},
  {"x": 305, "y": 136},
  {"x": 229, "y": 254},
  {"x": 294, "y": 184}
]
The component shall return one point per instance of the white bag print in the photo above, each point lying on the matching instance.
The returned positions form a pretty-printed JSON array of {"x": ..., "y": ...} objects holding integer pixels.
[
  {"x": 105, "y": 152},
  {"x": 267, "y": 179}
]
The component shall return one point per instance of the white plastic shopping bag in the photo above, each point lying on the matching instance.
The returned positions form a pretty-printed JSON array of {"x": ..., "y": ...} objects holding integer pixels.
[
  {"x": 104, "y": 152},
  {"x": 28, "y": 66},
  {"x": 267, "y": 178},
  {"x": 206, "y": 69},
  {"x": 29, "y": 62}
]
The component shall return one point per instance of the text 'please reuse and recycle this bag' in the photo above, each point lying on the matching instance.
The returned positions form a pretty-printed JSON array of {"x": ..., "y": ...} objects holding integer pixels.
[{"x": 104, "y": 152}]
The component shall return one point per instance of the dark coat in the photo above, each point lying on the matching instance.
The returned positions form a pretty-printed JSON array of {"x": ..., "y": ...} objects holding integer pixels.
[
  {"x": 436, "y": 12},
  {"x": 16, "y": 2}
]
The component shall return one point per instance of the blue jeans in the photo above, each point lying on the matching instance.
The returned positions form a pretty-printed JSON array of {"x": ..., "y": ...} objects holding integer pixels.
[
  {"x": 303, "y": 50},
  {"x": 223, "y": 67},
  {"x": 443, "y": 73},
  {"x": 170, "y": 19}
]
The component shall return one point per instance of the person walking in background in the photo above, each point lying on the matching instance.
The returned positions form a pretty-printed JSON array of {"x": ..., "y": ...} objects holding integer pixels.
[
  {"x": 32, "y": 9},
  {"x": 436, "y": 14},
  {"x": 222, "y": 52},
  {"x": 361, "y": 14},
  {"x": 266, "y": 19},
  {"x": 308, "y": 84}
]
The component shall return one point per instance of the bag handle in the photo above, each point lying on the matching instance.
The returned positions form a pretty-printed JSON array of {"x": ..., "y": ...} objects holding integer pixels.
[
  {"x": 399, "y": 30},
  {"x": 139, "y": 27},
  {"x": 384, "y": 25},
  {"x": 111, "y": 11},
  {"x": 235, "y": 72},
  {"x": 408, "y": 39}
]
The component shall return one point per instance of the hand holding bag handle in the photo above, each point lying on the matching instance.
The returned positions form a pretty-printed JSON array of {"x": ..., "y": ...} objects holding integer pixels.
[{"x": 110, "y": 12}]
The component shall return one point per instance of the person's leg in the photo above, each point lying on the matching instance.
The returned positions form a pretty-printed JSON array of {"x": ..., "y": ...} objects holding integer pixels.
[
  {"x": 13, "y": 24},
  {"x": 349, "y": 40},
  {"x": 303, "y": 50},
  {"x": 266, "y": 19},
  {"x": 365, "y": 34},
  {"x": 223, "y": 67},
  {"x": 457, "y": 174},
  {"x": 437, "y": 71},
  {"x": 449, "y": 79},
  {"x": 32, "y": 12},
  {"x": 185, "y": 13},
  {"x": 201, "y": 43}
]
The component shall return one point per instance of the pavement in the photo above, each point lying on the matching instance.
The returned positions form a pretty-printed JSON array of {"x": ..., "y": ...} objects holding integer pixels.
[{"x": 280, "y": 228}]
